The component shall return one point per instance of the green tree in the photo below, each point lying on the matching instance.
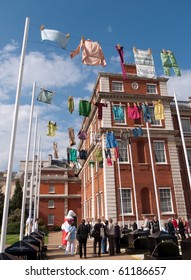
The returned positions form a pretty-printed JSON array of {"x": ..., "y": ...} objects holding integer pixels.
[
  {"x": 16, "y": 201},
  {"x": 1, "y": 204}
]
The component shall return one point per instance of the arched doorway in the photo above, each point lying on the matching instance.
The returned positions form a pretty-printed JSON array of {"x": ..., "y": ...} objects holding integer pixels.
[{"x": 145, "y": 201}]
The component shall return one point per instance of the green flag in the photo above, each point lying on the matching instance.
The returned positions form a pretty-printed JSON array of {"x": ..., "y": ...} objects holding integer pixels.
[{"x": 169, "y": 61}]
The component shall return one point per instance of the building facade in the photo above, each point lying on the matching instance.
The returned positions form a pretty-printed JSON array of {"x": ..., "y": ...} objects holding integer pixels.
[
  {"x": 60, "y": 191},
  {"x": 147, "y": 176}
]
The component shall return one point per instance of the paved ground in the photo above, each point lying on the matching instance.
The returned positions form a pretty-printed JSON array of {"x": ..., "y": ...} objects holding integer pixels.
[{"x": 55, "y": 253}]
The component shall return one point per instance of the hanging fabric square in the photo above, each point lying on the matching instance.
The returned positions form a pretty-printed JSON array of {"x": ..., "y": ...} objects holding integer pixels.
[
  {"x": 45, "y": 96},
  {"x": 71, "y": 136},
  {"x": 55, "y": 149},
  {"x": 84, "y": 108},
  {"x": 169, "y": 61},
  {"x": 144, "y": 63},
  {"x": 52, "y": 128},
  {"x": 55, "y": 36},
  {"x": 92, "y": 53},
  {"x": 121, "y": 55},
  {"x": 158, "y": 110},
  {"x": 118, "y": 113},
  {"x": 71, "y": 104}
]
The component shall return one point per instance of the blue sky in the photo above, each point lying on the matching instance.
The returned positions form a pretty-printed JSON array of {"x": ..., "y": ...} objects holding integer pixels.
[{"x": 144, "y": 24}]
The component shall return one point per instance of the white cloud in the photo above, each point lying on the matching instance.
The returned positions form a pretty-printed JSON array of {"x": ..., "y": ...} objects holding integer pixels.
[
  {"x": 89, "y": 86},
  {"x": 182, "y": 85},
  {"x": 50, "y": 70},
  {"x": 109, "y": 29}
]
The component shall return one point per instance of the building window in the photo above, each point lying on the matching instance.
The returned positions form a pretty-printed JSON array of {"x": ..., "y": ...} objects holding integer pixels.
[
  {"x": 189, "y": 156},
  {"x": 117, "y": 86},
  {"x": 141, "y": 151},
  {"x": 119, "y": 114},
  {"x": 186, "y": 125},
  {"x": 151, "y": 88},
  {"x": 51, "y": 189},
  {"x": 126, "y": 201},
  {"x": 98, "y": 204},
  {"x": 123, "y": 154},
  {"x": 165, "y": 200},
  {"x": 159, "y": 151},
  {"x": 50, "y": 220},
  {"x": 153, "y": 120},
  {"x": 101, "y": 202},
  {"x": 51, "y": 204}
]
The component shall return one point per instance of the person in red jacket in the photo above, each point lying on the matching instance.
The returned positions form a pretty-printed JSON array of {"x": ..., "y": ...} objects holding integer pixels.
[{"x": 175, "y": 224}]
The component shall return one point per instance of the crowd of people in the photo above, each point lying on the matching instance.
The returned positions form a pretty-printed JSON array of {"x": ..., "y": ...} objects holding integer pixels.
[
  {"x": 106, "y": 237},
  {"x": 106, "y": 234}
]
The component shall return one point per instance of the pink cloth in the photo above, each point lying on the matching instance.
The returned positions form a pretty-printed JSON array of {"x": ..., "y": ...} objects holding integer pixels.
[
  {"x": 121, "y": 55},
  {"x": 91, "y": 53},
  {"x": 133, "y": 113}
]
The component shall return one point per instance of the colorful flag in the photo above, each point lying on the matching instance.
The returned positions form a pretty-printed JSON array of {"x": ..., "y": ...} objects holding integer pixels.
[
  {"x": 54, "y": 35},
  {"x": 55, "y": 149},
  {"x": 52, "y": 128},
  {"x": 92, "y": 53},
  {"x": 144, "y": 63},
  {"x": 169, "y": 61},
  {"x": 45, "y": 96}
]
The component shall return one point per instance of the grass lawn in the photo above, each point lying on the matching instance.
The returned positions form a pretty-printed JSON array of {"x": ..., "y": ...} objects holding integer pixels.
[{"x": 11, "y": 238}]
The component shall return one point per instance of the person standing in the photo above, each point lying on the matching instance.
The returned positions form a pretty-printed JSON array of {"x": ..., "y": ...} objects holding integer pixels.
[
  {"x": 181, "y": 228},
  {"x": 170, "y": 227},
  {"x": 28, "y": 226},
  {"x": 71, "y": 240},
  {"x": 104, "y": 238},
  {"x": 155, "y": 225},
  {"x": 82, "y": 236},
  {"x": 117, "y": 236},
  {"x": 175, "y": 224},
  {"x": 145, "y": 225},
  {"x": 97, "y": 237},
  {"x": 35, "y": 226},
  {"x": 89, "y": 226},
  {"x": 110, "y": 232}
]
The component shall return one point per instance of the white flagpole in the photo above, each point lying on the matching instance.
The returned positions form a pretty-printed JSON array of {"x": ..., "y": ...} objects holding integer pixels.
[
  {"x": 38, "y": 193},
  {"x": 153, "y": 173},
  {"x": 133, "y": 180},
  {"x": 12, "y": 143},
  {"x": 32, "y": 175},
  {"x": 26, "y": 165},
  {"x": 182, "y": 135},
  {"x": 36, "y": 183},
  {"x": 121, "y": 196}
]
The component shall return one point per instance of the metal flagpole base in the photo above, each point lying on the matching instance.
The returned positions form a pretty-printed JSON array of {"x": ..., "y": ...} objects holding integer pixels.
[{"x": 6, "y": 256}]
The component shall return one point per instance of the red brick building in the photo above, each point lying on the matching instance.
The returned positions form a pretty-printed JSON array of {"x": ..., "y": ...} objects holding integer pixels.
[
  {"x": 148, "y": 177},
  {"x": 60, "y": 191}
]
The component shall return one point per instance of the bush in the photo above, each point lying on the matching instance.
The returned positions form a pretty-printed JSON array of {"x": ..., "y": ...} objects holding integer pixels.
[
  {"x": 13, "y": 228},
  {"x": 57, "y": 228},
  {"x": 43, "y": 228}
]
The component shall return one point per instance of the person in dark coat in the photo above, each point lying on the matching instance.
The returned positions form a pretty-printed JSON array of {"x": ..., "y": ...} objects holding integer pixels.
[
  {"x": 170, "y": 227},
  {"x": 155, "y": 227},
  {"x": 82, "y": 236},
  {"x": 117, "y": 236},
  {"x": 181, "y": 228},
  {"x": 104, "y": 239},
  {"x": 97, "y": 236}
]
